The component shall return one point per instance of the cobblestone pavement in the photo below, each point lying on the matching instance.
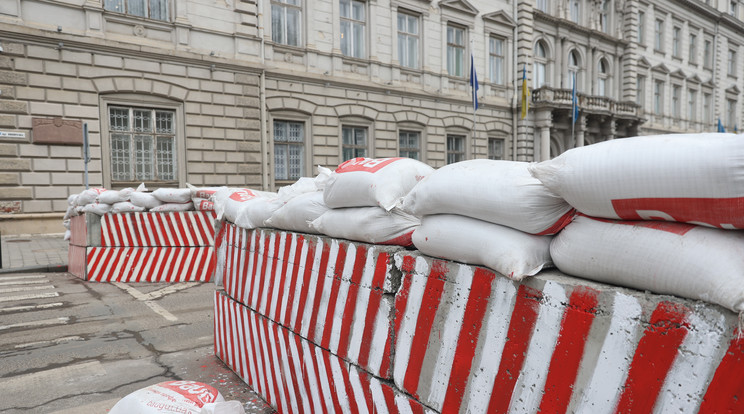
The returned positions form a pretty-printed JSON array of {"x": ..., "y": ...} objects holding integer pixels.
[{"x": 33, "y": 250}]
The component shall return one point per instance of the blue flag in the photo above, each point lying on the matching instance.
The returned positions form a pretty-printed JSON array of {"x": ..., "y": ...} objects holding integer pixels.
[
  {"x": 720, "y": 126},
  {"x": 474, "y": 82},
  {"x": 574, "y": 102}
]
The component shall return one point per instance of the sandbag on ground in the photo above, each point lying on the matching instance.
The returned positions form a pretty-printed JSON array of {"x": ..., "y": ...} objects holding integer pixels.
[
  {"x": 692, "y": 178},
  {"x": 512, "y": 253},
  {"x": 500, "y": 192},
  {"x": 679, "y": 259}
]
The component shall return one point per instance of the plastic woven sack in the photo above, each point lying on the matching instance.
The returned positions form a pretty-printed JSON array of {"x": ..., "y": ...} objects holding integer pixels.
[
  {"x": 512, "y": 253},
  {"x": 114, "y": 196},
  {"x": 168, "y": 207},
  {"x": 173, "y": 195},
  {"x": 500, "y": 192},
  {"x": 126, "y": 207},
  {"x": 692, "y": 178},
  {"x": 228, "y": 201},
  {"x": 145, "y": 200},
  {"x": 171, "y": 397},
  {"x": 368, "y": 224},
  {"x": 88, "y": 196},
  {"x": 298, "y": 212}
]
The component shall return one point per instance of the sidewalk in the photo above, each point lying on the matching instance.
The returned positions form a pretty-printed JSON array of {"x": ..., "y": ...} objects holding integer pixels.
[{"x": 33, "y": 253}]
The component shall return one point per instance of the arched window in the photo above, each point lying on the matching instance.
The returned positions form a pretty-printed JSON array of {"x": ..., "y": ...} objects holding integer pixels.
[
  {"x": 541, "y": 65},
  {"x": 603, "y": 78},
  {"x": 574, "y": 65}
]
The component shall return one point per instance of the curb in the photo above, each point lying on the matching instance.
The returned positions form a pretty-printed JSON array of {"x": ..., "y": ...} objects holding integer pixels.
[{"x": 50, "y": 268}]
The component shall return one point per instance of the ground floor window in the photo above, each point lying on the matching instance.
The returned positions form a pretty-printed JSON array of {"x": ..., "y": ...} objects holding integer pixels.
[
  {"x": 289, "y": 150},
  {"x": 495, "y": 148},
  {"x": 409, "y": 144},
  {"x": 455, "y": 148},
  {"x": 354, "y": 142}
]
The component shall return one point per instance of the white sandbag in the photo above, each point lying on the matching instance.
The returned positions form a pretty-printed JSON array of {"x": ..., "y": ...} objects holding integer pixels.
[
  {"x": 71, "y": 212},
  {"x": 67, "y": 224},
  {"x": 185, "y": 397},
  {"x": 167, "y": 207},
  {"x": 71, "y": 200},
  {"x": 500, "y": 192},
  {"x": 368, "y": 224},
  {"x": 173, "y": 195},
  {"x": 67, "y": 236},
  {"x": 126, "y": 207},
  {"x": 113, "y": 196},
  {"x": 88, "y": 196},
  {"x": 97, "y": 208},
  {"x": 202, "y": 204},
  {"x": 298, "y": 212},
  {"x": 512, "y": 253},
  {"x": 305, "y": 185},
  {"x": 381, "y": 182},
  {"x": 202, "y": 192},
  {"x": 679, "y": 259},
  {"x": 253, "y": 213},
  {"x": 145, "y": 200},
  {"x": 692, "y": 178},
  {"x": 228, "y": 200}
]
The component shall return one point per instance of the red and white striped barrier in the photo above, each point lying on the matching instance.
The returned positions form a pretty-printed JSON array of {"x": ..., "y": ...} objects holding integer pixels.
[
  {"x": 335, "y": 293},
  {"x": 172, "y": 229},
  {"x": 150, "y": 264},
  {"x": 468, "y": 340},
  {"x": 294, "y": 375}
]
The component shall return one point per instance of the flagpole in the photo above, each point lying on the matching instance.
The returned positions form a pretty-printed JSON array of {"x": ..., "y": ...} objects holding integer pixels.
[{"x": 573, "y": 112}]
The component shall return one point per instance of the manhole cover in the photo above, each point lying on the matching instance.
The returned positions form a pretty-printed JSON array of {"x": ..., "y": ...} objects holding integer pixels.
[{"x": 17, "y": 241}]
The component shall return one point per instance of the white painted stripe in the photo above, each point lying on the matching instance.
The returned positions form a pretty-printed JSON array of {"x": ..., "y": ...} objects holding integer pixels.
[
  {"x": 32, "y": 307},
  {"x": 356, "y": 386},
  {"x": 146, "y": 300},
  {"x": 179, "y": 274},
  {"x": 129, "y": 264},
  {"x": 143, "y": 232},
  {"x": 176, "y": 221},
  {"x": 131, "y": 228},
  {"x": 249, "y": 274},
  {"x": 250, "y": 347},
  {"x": 451, "y": 332},
  {"x": 219, "y": 328},
  {"x": 150, "y": 260},
  {"x": 268, "y": 273},
  {"x": 186, "y": 218},
  {"x": 323, "y": 376},
  {"x": 531, "y": 381},
  {"x": 164, "y": 226},
  {"x": 55, "y": 341},
  {"x": 362, "y": 302},
  {"x": 310, "y": 301},
  {"x": 253, "y": 302},
  {"x": 137, "y": 272},
  {"x": 298, "y": 283},
  {"x": 378, "y": 397},
  {"x": 123, "y": 239},
  {"x": 22, "y": 277},
  {"x": 278, "y": 276},
  {"x": 380, "y": 335},
  {"x": 232, "y": 316},
  {"x": 160, "y": 311},
  {"x": 313, "y": 382},
  {"x": 105, "y": 231},
  {"x": 500, "y": 308},
  {"x": 120, "y": 255},
  {"x": 609, "y": 372},
  {"x": 24, "y": 282},
  {"x": 27, "y": 297},
  {"x": 197, "y": 220},
  {"x": 408, "y": 323},
  {"x": 26, "y": 289},
  {"x": 403, "y": 404},
  {"x": 168, "y": 268},
  {"x": 159, "y": 261},
  {"x": 338, "y": 378},
  {"x": 343, "y": 292},
  {"x": 290, "y": 269},
  {"x": 62, "y": 320},
  {"x": 327, "y": 287},
  {"x": 284, "y": 357},
  {"x": 260, "y": 378},
  {"x": 23, "y": 384},
  {"x": 278, "y": 378},
  {"x": 94, "y": 272},
  {"x": 297, "y": 364},
  {"x": 237, "y": 275},
  {"x": 688, "y": 378}
]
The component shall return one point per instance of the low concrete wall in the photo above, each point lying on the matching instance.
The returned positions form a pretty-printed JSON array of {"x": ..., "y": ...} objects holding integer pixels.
[
  {"x": 461, "y": 338},
  {"x": 40, "y": 223}
]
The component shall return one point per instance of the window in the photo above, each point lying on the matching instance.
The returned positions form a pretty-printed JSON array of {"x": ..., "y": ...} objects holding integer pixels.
[
  {"x": 542, "y": 5},
  {"x": 455, "y": 148},
  {"x": 573, "y": 68},
  {"x": 541, "y": 65},
  {"x": 496, "y": 59},
  {"x": 658, "y": 97},
  {"x": 143, "y": 146},
  {"x": 151, "y": 9},
  {"x": 707, "y": 53},
  {"x": 691, "y": 105},
  {"x": 289, "y": 150},
  {"x": 574, "y": 10},
  {"x": 353, "y": 22},
  {"x": 409, "y": 144},
  {"x": 693, "y": 48},
  {"x": 707, "y": 108},
  {"x": 641, "y": 26},
  {"x": 731, "y": 113},
  {"x": 408, "y": 40},
  {"x": 676, "y": 91},
  {"x": 286, "y": 22},
  {"x": 659, "y": 34},
  {"x": 604, "y": 16},
  {"x": 733, "y": 7},
  {"x": 641, "y": 90},
  {"x": 495, "y": 148},
  {"x": 455, "y": 51},
  {"x": 676, "y": 33},
  {"x": 732, "y": 62},
  {"x": 603, "y": 78},
  {"x": 354, "y": 142}
]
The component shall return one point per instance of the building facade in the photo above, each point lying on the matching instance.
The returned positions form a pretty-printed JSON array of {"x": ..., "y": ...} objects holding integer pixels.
[{"x": 256, "y": 93}]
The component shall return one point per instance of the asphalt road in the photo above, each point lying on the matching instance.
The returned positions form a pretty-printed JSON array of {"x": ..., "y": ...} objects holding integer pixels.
[{"x": 71, "y": 346}]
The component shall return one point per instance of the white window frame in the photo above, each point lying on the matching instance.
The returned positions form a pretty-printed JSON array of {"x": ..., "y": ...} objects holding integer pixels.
[
  {"x": 354, "y": 147},
  {"x": 605, "y": 21},
  {"x": 123, "y": 6},
  {"x": 659, "y": 35},
  {"x": 456, "y": 63},
  {"x": 353, "y": 47},
  {"x": 283, "y": 8},
  {"x": 692, "y": 50},
  {"x": 496, "y": 61},
  {"x": 658, "y": 97},
  {"x": 676, "y": 39},
  {"x": 574, "y": 11},
  {"x": 692, "y": 105},
  {"x": 676, "y": 101},
  {"x": 408, "y": 39},
  {"x": 491, "y": 153},
  {"x": 456, "y": 155},
  {"x": 540, "y": 71},
  {"x": 730, "y": 113},
  {"x": 707, "y": 108},
  {"x": 641, "y": 26},
  {"x": 604, "y": 77},
  {"x": 288, "y": 143},
  {"x": 732, "y": 56},
  {"x": 707, "y": 53},
  {"x": 404, "y": 151}
]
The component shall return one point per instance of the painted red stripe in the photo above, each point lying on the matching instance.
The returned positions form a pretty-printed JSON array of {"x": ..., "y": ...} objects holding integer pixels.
[
  {"x": 119, "y": 254},
  {"x": 351, "y": 301},
  {"x": 182, "y": 225},
  {"x": 242, "y": 348},
  {"x": 282, "y": 278},
  {"x": 258, "y": 275},
  {"x": 307, "y": 370},
  {"x": 243, "y": 276},
  {"x": 364, "y": 380},
  {"x": 216, "y": 328},
  {"x": 112, "y": 231},
  {"x": 147, "y": 227},
  {"x": 230, "y": 275},
  {"x": 291, "y": 361},
  {"x": 159, "y": 263},
  {"x": 136, "y": 272},
  {"x": 183, "y": 254},
  {"x": 401, "y": 302},
  {"x": 130, "y": 232},
  {"x": 304, "y": 283},
  {"x": 255, "y": 350},
  {"x": 225, "y": 328},
  {"x": 416, "y": 408},
  {"x": 168, "y": 262},
  {"x": 653, "y": 357},
  {"x": 232, "y": 337},
  {"x": 175, "y": 228},
  {"x": 429, "y": 305},
  {"x": 333, "y": 297},
  {"x": 332, "y": 383},
  {"x": 256, "y": 253},
  {"x": 168, "y": 236},
  {"x": 345, "y": 367},
  {"x": 373, "y": 308},
  {"x": 133, "y": 220},
  {"x": 569, "y": 349},
  {"x": 521, "y": 326},
  {"x": 725, "y": 393},
  {"x": 283, "y": 379},
  {"x": 277, "y": 380},
  {"x": 266, "y": 306},
  {"x": 270, "y": 393},
  {"x": 389, "y": 394},
  {"x": 315, "y": 304},
  {"x": 467, "y": 342},
  {"x": 154, "y": 220},
  {"x": 93, "y": 264},
  {"x": 299, "y": 242}
]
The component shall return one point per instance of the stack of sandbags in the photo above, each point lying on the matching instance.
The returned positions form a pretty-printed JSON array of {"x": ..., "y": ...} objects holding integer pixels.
[
  {"x": 639, "y": 191},
  {"x": 487, "y": 212},
  {"x": 302, "y": 204},
  {"x": 364, "y": 196}
]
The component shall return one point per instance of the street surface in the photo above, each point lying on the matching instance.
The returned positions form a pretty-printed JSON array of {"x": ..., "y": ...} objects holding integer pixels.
[{"x": 69, "y": 346}]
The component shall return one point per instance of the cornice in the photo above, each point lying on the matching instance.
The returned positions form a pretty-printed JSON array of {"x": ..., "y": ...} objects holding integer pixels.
[{"x": 576, "y": 28}]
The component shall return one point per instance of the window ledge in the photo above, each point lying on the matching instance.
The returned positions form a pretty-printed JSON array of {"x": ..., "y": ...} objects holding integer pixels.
[{"x": 147, "y": 23}]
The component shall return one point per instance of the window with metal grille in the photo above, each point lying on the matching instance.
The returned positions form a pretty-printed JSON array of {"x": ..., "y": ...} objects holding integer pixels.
[
  {"x": 408, "y": 40},
  {"x": 353, "y": 27},
  {"x": 455, "y": 148},
  {"x": 455, "y": 51},
  {"x": 354, "y": 142},
  {"x": 143, "y": 146},
  {"x": 150, "y": 9},
  {"x": 286, "y": 22},
  {"x": 289, "y": 150},
  {"x": 495, "y": 148},
  {"x": 409, "y": 144}
]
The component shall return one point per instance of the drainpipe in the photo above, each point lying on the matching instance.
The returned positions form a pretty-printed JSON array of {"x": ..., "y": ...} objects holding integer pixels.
[
  {"x": 715, "y": 69},
  {"x": 514, "y": 84},
  {"x": 265, "y": 163}
]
